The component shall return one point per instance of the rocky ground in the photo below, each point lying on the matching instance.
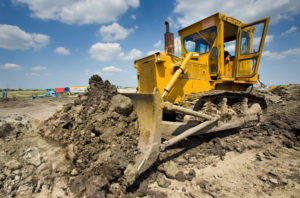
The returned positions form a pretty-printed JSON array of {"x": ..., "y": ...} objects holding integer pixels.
[
  {"x": 74, "y": 154},
  {"x": 261, "y": 161}
]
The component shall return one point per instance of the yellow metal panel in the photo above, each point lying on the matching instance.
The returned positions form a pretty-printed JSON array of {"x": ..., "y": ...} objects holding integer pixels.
[
  {"x": 245, "y": 68},
  {"x": 228, "y": 70}
]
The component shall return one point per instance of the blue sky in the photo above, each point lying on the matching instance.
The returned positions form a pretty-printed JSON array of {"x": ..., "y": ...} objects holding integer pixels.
[{"x": 58, "y": 43}]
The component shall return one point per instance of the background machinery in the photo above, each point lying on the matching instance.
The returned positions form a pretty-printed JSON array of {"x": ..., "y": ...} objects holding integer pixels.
[
  {"x": 49, "y": 92},
  {"x": 199, "y": 92}
]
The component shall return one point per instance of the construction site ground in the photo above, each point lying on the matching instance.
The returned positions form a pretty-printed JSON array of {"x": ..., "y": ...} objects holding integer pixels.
[{"x": 259, "y": 161}]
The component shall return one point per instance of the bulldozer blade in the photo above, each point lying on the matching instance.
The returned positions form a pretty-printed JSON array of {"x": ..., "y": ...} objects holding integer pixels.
[{"x": 149, "y": 113}]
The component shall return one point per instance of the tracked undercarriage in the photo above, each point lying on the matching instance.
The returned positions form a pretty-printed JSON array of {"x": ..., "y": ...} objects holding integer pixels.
[{"x": 211, "y": 112}]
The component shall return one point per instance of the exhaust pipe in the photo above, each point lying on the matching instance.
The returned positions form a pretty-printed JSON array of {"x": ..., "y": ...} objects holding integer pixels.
[{"x": 169, "y": 40}]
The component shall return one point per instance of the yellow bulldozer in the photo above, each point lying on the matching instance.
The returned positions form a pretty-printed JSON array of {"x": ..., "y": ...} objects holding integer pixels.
[{"x": 205, "y": 90}]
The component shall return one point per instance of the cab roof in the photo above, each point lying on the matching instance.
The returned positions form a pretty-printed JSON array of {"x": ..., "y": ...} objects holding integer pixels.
[{"x": 211, "y": 20}]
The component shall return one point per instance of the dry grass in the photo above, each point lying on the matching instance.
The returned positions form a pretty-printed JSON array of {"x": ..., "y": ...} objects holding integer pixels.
[{"x": 25, "y": 93}]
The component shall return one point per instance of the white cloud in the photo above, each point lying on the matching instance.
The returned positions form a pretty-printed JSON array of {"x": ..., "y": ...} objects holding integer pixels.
[
  {"x": 153, "y": 52},
  {"x": 268, "y": 39},
  {"x": 133, "y": 54},
  {"x": 290, "y": 52},
  {"x": 13, "y": 38},
  {"x": 106, "y": 51},
  {"x": 41, "y": 40},
  {"x": 38, "y": 68},
  {"x": 272, "y": 55},
  {"x": 62, "y": 51},
  {"x": 244, "y": 10},
  {"x": 10, "y": 66},
  {"x": 109, "y": 51},
  {"x": 114, "y": 32},
  {"x": 157, "y": 44},
  {"x": 111, "y": 69},
  {"x": 35, "y": 74},
  {"x": 289, "y": 31},
  {"x": 281, "y": 55},
  {"x": 133, "y": 16},
  {"x": 38, "y": 74},
  {"x": 79, "y": 11}
]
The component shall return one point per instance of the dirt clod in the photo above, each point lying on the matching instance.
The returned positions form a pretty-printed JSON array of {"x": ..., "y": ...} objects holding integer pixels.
[
  {"x": 163, "y": 182},
  {"x": 5, "y": 130},
  {"x": 180, "y": 176}
]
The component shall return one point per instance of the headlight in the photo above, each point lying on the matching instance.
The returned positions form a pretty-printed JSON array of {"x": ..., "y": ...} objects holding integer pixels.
[{"x": 158, "y": 57}]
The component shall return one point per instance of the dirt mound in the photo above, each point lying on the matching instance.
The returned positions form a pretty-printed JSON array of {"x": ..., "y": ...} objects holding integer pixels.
[
  {"x": 281, "y": 91},
  {"x": 5, "y": 130},
  {"x": 100, "y": 134}
]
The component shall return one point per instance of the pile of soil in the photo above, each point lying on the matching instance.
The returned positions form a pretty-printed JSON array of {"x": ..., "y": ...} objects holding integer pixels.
[
  {"x": 100, "y": 134},
  {"x": 81, "y": 151}
]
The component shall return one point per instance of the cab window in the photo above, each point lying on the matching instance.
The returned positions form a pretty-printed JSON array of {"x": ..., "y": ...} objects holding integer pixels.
[
  {"x": 200, "y": 42},
  {"x": 245, "y": 43}
]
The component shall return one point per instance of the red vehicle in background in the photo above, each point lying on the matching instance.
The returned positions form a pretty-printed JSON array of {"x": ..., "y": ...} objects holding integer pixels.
[{"x": 59, "y": 90}]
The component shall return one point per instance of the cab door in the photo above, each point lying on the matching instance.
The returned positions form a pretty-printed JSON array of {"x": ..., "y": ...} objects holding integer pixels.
[{"x": 249, "y": 46}]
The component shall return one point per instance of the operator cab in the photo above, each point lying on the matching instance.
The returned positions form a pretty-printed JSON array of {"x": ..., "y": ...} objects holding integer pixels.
[
  {"x": 212, "y": 36},
  {"x": 201, "y": 66}
]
